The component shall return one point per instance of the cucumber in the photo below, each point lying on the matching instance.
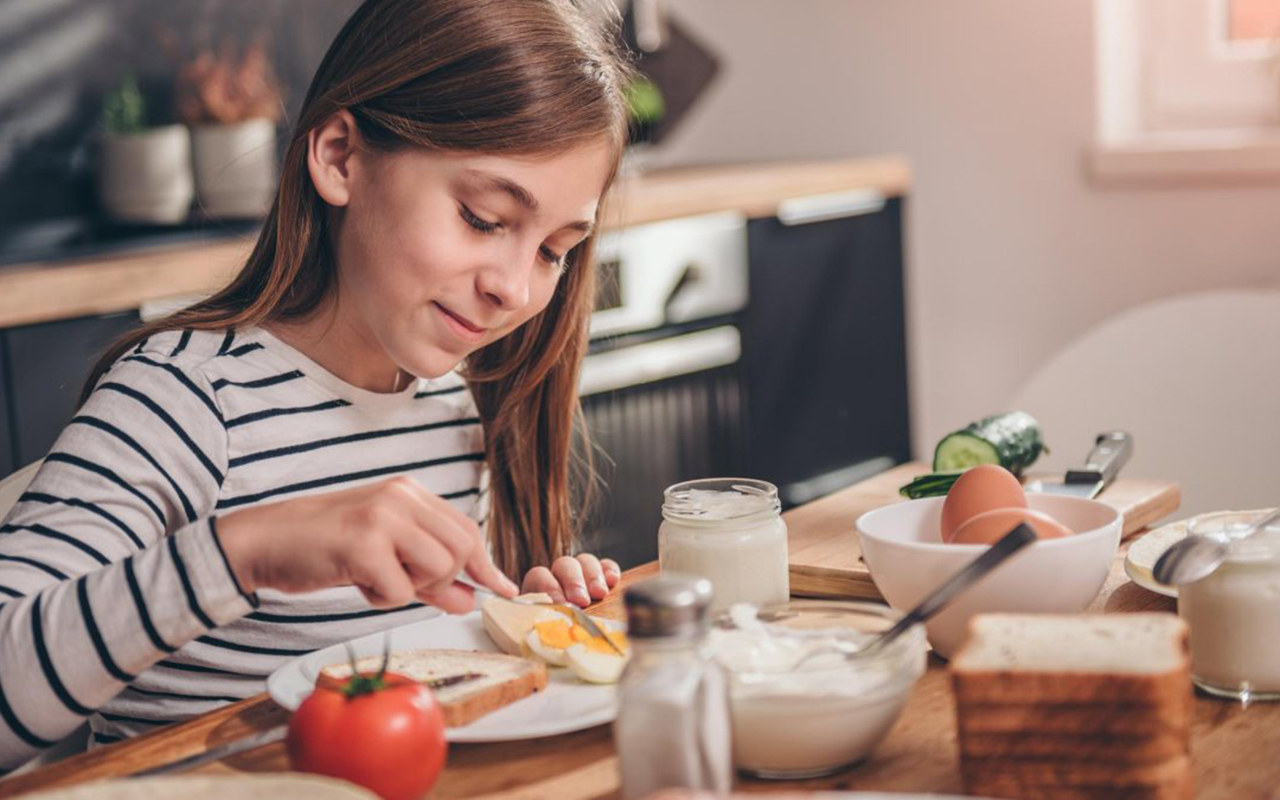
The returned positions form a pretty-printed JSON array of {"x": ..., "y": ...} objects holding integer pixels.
[{"x": 1011, "y": 440}]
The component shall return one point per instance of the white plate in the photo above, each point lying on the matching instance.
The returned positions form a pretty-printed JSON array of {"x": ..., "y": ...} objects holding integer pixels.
[
  {"x": 566, "y": 705},
  {"x": 1147, "y": 549}
]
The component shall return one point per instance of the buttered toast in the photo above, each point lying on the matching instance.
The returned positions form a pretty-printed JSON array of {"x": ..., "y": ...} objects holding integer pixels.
[{"x": 504, "y": 678}]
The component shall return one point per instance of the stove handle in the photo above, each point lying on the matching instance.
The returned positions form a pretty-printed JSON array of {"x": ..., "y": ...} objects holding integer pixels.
[{"x": 661, "y": 359}]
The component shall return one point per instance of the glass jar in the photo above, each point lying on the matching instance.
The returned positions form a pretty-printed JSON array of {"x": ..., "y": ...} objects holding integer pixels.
[
  {"x": 798, "y": 706},
  {"x": 729, "y": 531},
  {"x": 1234, "y": 613}
]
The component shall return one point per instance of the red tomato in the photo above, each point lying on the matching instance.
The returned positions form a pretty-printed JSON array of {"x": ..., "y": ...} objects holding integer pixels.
[{"x": 387, "y": 737}]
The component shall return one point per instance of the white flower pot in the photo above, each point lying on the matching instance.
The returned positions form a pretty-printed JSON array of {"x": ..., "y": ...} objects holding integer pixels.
[
  {"x": 145, "y": 177},
  {"x": 235, "y": 167}
]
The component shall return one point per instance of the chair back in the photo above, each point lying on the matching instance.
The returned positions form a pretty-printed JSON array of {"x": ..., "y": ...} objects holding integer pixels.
[{"x": 1194, "y": 378}]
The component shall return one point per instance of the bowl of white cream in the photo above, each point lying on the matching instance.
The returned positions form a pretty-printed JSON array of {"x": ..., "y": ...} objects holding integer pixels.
[{"x": 799, "y": 706}]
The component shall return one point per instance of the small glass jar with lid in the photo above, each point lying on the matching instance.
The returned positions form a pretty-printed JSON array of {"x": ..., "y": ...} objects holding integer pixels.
[
  {"x": 1234, "y": 613},
  {"x": 731, "y": 532}
]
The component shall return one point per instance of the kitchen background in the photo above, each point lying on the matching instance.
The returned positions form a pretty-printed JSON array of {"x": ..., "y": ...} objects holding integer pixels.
[{"x": 1032, "y": 279}]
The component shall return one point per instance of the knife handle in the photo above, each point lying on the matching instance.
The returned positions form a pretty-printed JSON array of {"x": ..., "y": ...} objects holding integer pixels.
[{"x": 1110, "y": 452}]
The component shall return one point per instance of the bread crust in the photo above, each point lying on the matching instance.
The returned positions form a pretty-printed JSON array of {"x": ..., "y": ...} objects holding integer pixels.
[{"x": 468, "y": 709}]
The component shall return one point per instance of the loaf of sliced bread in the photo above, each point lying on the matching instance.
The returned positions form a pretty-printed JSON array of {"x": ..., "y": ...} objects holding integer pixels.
[
  {"x": 504, "y": 678},
  {"x": 1083, "y": 719},
  {"x": 1135, "y": 659}
]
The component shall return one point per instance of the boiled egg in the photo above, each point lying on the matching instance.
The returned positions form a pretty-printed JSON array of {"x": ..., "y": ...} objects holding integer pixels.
[
  {"x": 980, "y": 489},
  {"x": 594, "y": 665},
  {"x": 989, "y": 526},
  {"x": 548, "y": 640}
]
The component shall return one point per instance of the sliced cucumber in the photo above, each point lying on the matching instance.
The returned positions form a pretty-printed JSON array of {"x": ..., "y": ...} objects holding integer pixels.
[
  {"x": 1011, "y": 440},
  {"x": 960, "y": 450}
]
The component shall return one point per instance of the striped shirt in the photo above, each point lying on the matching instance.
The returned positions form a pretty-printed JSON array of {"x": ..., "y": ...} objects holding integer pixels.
[{"x": 116, "y": 600}]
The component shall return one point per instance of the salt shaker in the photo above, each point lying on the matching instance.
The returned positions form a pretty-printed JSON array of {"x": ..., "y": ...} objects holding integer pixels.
[{"x": 672, "y": 728}]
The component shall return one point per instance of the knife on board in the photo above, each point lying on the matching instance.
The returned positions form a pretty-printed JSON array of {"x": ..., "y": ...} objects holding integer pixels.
[{"x": 1110, "y": 452}]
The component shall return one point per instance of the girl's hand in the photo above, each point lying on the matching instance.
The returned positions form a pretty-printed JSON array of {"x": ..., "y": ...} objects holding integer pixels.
[
  {"x": 393, "y": 540},
  {"x": 580, "y": 580}
]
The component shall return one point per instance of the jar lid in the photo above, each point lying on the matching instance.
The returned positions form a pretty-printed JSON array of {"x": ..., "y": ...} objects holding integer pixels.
[
  {"x": 669, "y": 605},
  {"x": 720, "y": 500}
]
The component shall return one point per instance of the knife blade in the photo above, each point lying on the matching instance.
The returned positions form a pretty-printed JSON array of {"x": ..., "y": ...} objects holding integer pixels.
[
  {"x": 1111, "y": 450},
  {"x": 262, "y": 738}
]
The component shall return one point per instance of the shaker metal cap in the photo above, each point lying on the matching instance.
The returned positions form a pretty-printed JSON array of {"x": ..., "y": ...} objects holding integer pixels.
[{"x": 671, "y": 604}]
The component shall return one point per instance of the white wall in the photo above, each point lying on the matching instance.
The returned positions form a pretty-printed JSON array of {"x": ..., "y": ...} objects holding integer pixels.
[{"x": 1012, "y": 250}]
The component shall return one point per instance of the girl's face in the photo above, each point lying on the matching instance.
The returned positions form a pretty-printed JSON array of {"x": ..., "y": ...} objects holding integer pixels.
[{"x": 440, "y": 254}]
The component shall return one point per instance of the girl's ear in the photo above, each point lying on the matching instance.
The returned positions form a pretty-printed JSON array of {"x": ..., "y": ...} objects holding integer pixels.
[{"x": 332, "y": 147}]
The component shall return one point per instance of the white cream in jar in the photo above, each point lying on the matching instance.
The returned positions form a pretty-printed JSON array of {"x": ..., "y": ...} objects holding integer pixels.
[
  {"x": 729, "y": 531},
  {"x": 1234, "y": 615},
  {"x": 793, "y": 720}
]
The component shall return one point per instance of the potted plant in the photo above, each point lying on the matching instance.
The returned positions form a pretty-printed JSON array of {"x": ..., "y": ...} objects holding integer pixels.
[
  {"x": 232, "y": 106},
  {"x": 144, "y": 172}
]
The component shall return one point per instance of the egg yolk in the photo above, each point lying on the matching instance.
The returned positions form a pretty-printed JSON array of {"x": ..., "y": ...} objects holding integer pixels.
[
  {"x": 596, "y": 644},
  {"x": 560, "y": 634},
  {"x": 554, "y": 633}
]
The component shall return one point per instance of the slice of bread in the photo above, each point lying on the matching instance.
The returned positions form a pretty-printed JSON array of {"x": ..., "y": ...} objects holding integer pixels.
[
  {"x": 505, "y": 679},
  {"x": 1172, "y": 779},
  {"x": 1137, "y": 659},
  {"x": 1091, "y": 747},
  {"x": 1103, "y": 719}
]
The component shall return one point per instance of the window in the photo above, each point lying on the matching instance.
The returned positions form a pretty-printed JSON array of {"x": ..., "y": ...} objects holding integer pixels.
[{"x": 1196, "y": 76}]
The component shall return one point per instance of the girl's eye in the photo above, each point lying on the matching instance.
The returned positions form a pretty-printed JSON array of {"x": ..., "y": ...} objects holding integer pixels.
[
  {"x": 551, "y": 258},
  {"x": 481, "y": 225}
]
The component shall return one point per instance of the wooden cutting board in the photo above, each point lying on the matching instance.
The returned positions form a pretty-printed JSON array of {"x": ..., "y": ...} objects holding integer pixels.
[{"x": 827, "y": 562}]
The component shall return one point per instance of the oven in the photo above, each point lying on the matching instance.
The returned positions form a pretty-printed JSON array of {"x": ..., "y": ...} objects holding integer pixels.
[{"x": 663, "y": 385}]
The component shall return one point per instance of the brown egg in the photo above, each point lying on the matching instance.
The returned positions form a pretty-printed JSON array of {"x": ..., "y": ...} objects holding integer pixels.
[
  {"x": 979, "y": 489},
  {"x": 988, "y": 527}
]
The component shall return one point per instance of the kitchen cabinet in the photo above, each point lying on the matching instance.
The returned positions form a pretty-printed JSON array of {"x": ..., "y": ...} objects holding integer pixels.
[
  {"x": 825, "y": 349},
  {"x": 46, "y": 368}
]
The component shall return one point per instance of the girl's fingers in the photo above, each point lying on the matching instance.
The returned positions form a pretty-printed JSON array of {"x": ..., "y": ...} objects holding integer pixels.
[
  {"x": 593, "y": 574},
  {"x": 460, "y": 534},
  {"x": 376, "y": 571},
  {"x": 540, "y": 579},
  {"x": 568, "y": 571},
  {"x": 612, "y": 572}
]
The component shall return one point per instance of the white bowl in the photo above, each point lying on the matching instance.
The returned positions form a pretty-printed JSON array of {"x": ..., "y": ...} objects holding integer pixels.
[{"x": 903, "y": 548}]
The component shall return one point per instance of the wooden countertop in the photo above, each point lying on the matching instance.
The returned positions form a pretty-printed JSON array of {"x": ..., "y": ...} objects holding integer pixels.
[
  {"x": 1232, "y": 746},
  {"x": 45, "y": 291}
]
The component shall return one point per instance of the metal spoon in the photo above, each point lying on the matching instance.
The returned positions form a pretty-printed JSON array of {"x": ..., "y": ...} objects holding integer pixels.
[
  {"x": 1196, "y": 557},
  {"x": 1010, "y": 543}
]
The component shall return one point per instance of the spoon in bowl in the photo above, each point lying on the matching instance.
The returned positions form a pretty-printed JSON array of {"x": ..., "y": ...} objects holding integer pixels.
[
  {"x": 939, "y": 598},
  {"x": 1196, "y": 557}
]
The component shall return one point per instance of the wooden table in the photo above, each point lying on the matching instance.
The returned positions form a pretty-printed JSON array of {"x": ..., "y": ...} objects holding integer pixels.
[{"x": 1234, "y": 748}]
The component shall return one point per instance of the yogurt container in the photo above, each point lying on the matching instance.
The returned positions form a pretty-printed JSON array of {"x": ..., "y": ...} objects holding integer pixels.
[
  {"x": 793, "y": 720},
  {"x": 1234, "y": 613},
  {"x": 729, "y": 531}
]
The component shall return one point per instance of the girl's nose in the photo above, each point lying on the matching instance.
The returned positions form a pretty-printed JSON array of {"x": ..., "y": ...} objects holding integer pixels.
[{"x": 505, "y": 285}]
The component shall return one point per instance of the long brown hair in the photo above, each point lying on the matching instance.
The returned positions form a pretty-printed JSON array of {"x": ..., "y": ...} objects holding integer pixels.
[{"x": 491, "y": 76}]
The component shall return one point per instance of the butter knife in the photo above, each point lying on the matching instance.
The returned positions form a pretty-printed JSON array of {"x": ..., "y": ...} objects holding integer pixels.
[{"x": 261, "y": 738}]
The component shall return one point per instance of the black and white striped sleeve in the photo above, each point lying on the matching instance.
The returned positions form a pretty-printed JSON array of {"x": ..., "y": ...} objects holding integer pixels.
[{"x": 111, "y": 560}]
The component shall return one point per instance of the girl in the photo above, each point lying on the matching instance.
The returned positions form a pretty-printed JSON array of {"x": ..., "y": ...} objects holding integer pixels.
[{"x": 294, "y": 462}]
